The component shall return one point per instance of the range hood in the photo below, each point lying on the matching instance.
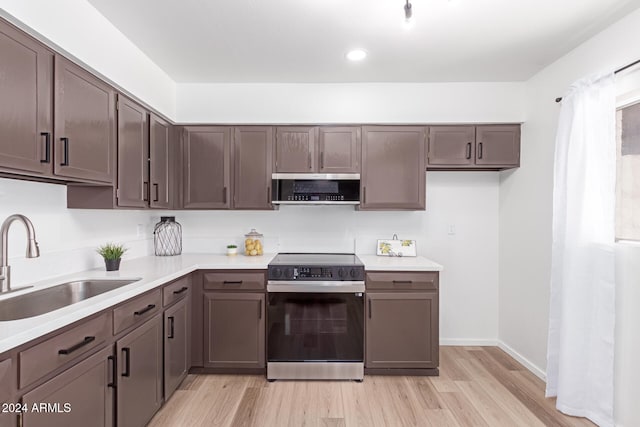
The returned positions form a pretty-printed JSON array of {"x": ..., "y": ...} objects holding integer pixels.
[{"x": 316, "y": 188}]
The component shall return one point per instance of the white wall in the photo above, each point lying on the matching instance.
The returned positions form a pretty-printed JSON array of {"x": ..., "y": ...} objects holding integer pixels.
[
  {"x": 82, "y": 32},
  {"x": 526, "y": 206},
  {"x": 351, "y": 103},
  {"x": 67, "y": 237}
]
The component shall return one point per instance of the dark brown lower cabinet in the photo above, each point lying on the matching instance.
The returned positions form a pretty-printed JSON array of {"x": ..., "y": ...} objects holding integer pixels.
[
  {"x": 234, "y": 330},
  {"x": 80, "y": 396},
  {"x": 8, "y": 386},
  {"x": 402, "y": 330},
  {"x": 176, "y": 341},
  {"x": 139, "y": 373}
]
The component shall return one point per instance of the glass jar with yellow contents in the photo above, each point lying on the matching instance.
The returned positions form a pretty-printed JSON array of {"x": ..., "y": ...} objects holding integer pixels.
[{"x": 253, "y": 243}]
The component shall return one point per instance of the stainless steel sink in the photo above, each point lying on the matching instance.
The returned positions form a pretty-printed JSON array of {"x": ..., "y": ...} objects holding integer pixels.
[{"x": 55, "y": 297}]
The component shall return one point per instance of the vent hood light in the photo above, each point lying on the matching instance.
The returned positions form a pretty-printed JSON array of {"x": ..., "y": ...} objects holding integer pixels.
[{"x": 356, "y": 55}]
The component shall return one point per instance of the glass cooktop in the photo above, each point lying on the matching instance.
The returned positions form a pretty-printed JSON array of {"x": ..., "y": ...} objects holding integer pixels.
[{"x": 316, "y": 259}]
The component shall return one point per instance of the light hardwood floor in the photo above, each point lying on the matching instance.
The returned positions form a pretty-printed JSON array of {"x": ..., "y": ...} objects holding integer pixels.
[{"x": 477, "y": 386}]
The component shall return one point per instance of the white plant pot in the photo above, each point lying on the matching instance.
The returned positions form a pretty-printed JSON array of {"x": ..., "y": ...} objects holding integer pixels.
[{"x": 232, "y": 251}]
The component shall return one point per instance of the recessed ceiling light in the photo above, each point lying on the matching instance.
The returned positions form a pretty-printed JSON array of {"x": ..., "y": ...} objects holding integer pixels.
[{"x": 356, "y": 55}]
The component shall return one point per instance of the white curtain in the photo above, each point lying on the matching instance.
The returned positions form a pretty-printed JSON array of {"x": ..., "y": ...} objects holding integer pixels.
[{"x": 582, "y": 305}]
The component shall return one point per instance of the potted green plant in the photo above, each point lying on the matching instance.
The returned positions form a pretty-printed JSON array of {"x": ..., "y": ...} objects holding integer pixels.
[
  {"x": 112, "y": 254},
  {"x": 232, "y": 250}
]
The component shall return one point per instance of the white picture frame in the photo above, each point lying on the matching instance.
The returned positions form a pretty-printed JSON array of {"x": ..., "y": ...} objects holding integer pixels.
[{"x": 396, "y": 247}]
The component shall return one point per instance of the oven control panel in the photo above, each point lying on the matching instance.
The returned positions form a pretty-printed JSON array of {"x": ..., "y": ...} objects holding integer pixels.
[{"x": 316, "y": 273}]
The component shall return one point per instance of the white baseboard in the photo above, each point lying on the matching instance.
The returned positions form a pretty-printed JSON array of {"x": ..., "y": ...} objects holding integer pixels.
[
  {"x": 468, "y": 342},
  {"x": 537, "y": 371}
]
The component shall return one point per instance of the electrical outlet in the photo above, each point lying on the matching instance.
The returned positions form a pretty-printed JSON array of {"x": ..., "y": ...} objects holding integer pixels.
[
  {"x": 451, "y": 229},
  {"x": 140, "y": 230}
]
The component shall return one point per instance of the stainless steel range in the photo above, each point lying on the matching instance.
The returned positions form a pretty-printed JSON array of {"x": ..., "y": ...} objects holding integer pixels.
[{"x": 315, "y": 317}]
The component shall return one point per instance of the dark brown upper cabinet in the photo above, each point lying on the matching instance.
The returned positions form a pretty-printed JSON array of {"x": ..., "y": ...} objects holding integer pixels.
[
  {"x": 339, "y": 149},
  {"x": 312, "y": 149},
  {"x": 207, "y": 167},
  {"x": 491, "y": 147},
  {"x": 252, "y": 160},
  {"x": 26, "y": 90},
  {"x": 498, "y": 146},
  {"x": 393, "y": 168},
  {"x": 295, "y": 149},
  {"x": 452, "y": 145},
  {"x": 133, "y": 154},
  {"x": 84, "y": 124},
  {"x": 161, "y": 163}
]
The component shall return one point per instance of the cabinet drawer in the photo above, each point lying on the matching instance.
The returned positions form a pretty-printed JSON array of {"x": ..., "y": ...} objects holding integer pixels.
[
  {"x": 230, "y": 280},
  {"x": 401, "y": 280},
  {"x": 176, "y": 290},
  {"x": 45, "y": 357},
  {"x": 136, "y": 311}
]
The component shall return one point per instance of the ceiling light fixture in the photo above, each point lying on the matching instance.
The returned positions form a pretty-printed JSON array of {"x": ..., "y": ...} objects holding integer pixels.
[
  {"x": 408, "y": 11},
  {"x": 356, "y": 55}
]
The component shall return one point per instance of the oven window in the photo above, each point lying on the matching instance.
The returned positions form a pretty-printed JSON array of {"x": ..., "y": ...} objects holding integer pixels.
[{"x": 315, "y": 327}]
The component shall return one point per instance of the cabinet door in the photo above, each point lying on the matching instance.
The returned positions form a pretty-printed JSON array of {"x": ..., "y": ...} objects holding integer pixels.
[
  {"x": 295, "y": 149},
  {"x": 160, "y": 162},
  {"x": 26, "y": 73},
  {"x": 84, "y": 124},
  {"x": 234, "y": 330},
  {"x": 207, "y": 167},
  {"x": 133, "y": 154},
  {"x": 139, "y": 374},
  {"x": 402, "y": 330},
  {"x": 498, "y": 145},
  {"x": 393, "y": 168},
  {"x": 252, "y": 152},
  {"x": 82, "y": 395},
  {"x": 451, "y": 146},
  {"x": 176, "y": 342},
  {"x": 339, "y": 150},
  {"x": 7, "y": 391}
]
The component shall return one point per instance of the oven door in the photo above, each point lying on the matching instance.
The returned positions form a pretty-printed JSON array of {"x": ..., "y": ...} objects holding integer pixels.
[{"x": 315, "y": 327}]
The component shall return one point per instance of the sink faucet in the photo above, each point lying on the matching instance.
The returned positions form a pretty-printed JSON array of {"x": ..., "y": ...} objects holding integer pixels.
[{"x": 32, "y": 248}]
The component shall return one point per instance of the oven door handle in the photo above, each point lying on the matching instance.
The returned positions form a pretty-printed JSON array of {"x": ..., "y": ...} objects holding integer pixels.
[{"x": 316, "y": 287}]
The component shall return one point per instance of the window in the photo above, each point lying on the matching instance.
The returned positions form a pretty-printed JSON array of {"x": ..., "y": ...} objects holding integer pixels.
[{"x": 628, "y": 185}]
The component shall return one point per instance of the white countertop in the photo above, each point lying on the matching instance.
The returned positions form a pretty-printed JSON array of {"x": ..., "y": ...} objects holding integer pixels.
[
  {"x": 386, "y": 263},
  {"x": 153, "y": 272}
]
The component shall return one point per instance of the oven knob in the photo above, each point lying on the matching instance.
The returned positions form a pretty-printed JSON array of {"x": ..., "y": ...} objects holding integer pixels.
[
  {"x": 277, "y": 273},
  {"x": 288, "y": 273},
  {"x": 342, "y": 273},
  {"x": 354, "y": 273}
]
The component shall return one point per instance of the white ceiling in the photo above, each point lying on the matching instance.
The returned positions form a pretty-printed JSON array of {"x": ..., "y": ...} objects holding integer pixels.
[{"x": 306, "y": 40}]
